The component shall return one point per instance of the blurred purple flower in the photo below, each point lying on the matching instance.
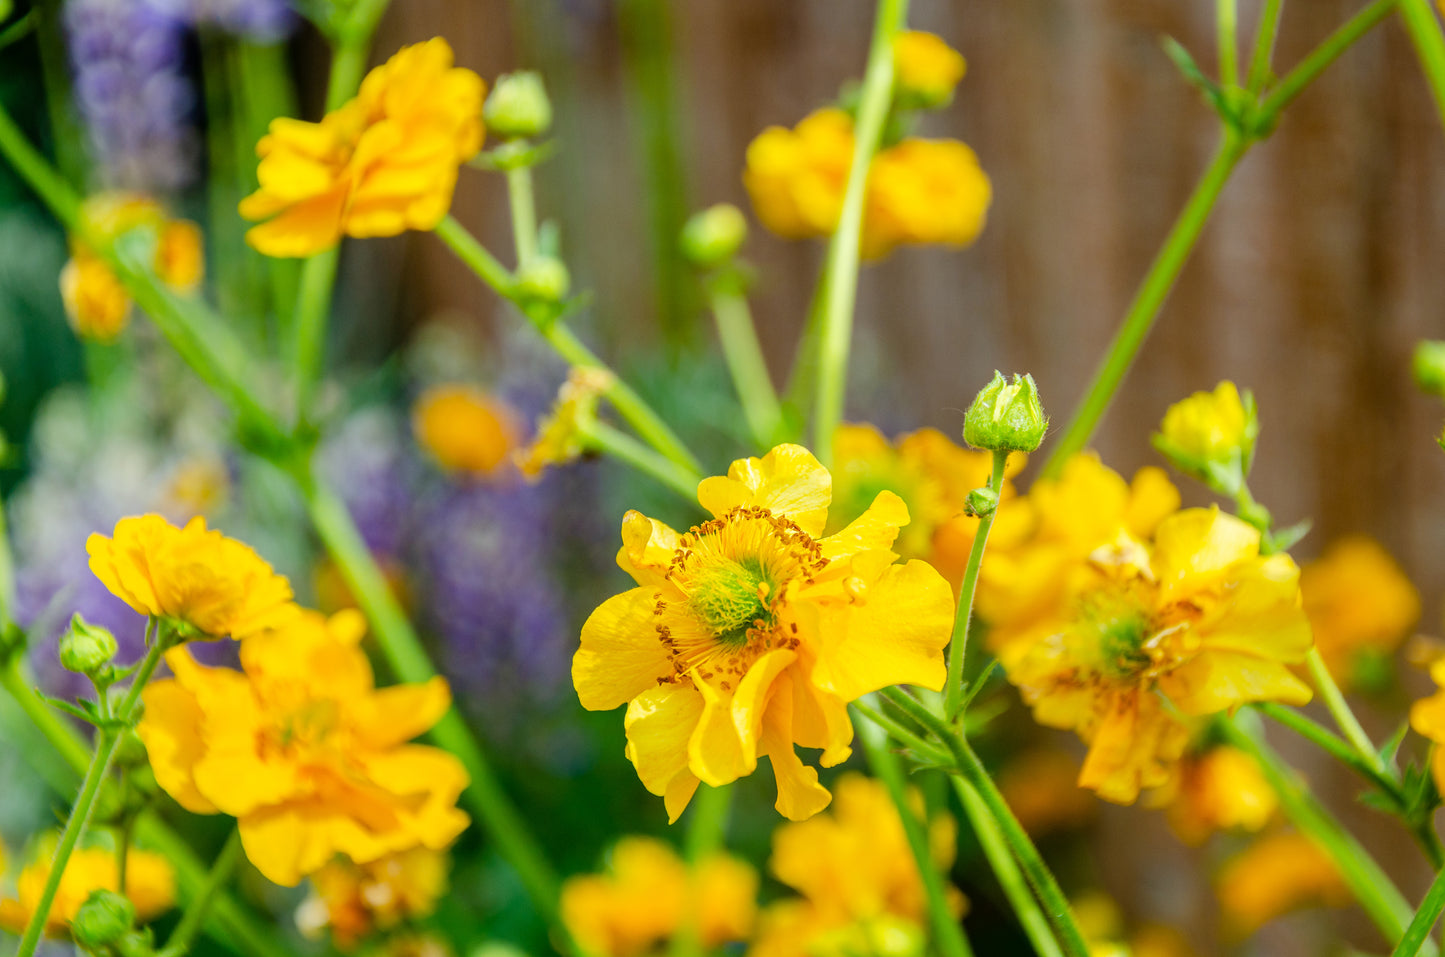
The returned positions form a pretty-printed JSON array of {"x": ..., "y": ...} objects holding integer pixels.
[
  {"x": 366, "y": 460},
  {"x": 261, "y": 21}
]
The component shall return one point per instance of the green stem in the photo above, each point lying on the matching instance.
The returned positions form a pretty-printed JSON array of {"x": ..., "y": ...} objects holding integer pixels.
[
  {"x": 958, "y": 645},
  {"x": 1424, "y": 920},
  {"x": 1340, "y": 710},
  {"x": 706, "y": 835},
  {"x": 903, "y": 735},
  {"x": 1424, "y": 30},
  {"x": 107, "y": 739},
  {"x": 181, "y": 939},
  {"x": 841, "y": 268},
  {"x": 1332, "y": 744},
  {"x": 745, "y": 361},
  {"x": 1006, "y": 869},
  {"x": 524, "y": 213},
  {"x": 1384, "y": 904},
  {"x": 1282, "y": 94},
  {"x": 1264, "y": 37},
  {"x": 625, "y": 448},
  {"x": 948, "y": 933},
  {"x": 1147, "y": 302},
  {"x": 7, "y": 578},
  {"x": 1226, "y": 30},
  {"x": 631, "y": 406},
  {"x": 803, "y": 374},
  {"x": 1040, "y": 878}
]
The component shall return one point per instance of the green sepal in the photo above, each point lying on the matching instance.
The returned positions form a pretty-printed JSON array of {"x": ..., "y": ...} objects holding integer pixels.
[{"x": 1283, "y": 539}]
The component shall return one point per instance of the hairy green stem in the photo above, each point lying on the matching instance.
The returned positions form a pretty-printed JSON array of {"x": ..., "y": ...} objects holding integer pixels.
[
  {"x": 1340, "y": 710},
  {"x": 904, "y": 736},
  {"x": 1424, "y": 920},
  {"x": 746, "y": 363},
  {"x": 958, "y": 645},
  {"x": 841, "y": 268},
  {"x": 181, "y": 939},
  {"x": 948, "y": 935},
  {"x": 628, "y": 450},
  {"x": 1424, "y": 30},
  {"x": 524, "y": 213},
  {"x": 1264, "y": 37}
]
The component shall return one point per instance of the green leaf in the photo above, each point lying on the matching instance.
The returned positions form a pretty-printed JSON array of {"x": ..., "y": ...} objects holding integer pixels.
[
  {"x": 82, "y": 709},
  {"x": 978, "y": 684},
  {"x": 1196, "y": 78},
  {"x": 1390, "y": 750}
]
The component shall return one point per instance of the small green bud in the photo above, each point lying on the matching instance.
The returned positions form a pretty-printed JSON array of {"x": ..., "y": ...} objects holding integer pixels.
[
  {"x": 1429, "y": 367},
  {"x": 713, "y": 236},
  {"x": 545, "y": 278},
  {"x": 1006, "y": 416},
  {"x": 518, "y": 106},
  {"x": 981, "y": 502},
  {"x": 86, "y": 648},
  {"x": 103, "y": 919},
  {"x": 138, "y": 943}
]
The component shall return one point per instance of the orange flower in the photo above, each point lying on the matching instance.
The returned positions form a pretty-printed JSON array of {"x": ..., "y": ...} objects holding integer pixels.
[{"x": 464, "y": 429}]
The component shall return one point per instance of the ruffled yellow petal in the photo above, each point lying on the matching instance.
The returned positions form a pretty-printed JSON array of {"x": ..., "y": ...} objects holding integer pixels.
[
  {"x": 1199, "y": 544},
  {"x": 659, "y": 723},
  {"x": 800, "y": 796},
  {"x": 400, "y": 713},
  {"x": 789, "y": 481},
  {"x": 621, "y": 656},
  {"x": 647, "y": 547},
  {"x": 171, "y": 732},
  {"x": 874, "y": 530}
]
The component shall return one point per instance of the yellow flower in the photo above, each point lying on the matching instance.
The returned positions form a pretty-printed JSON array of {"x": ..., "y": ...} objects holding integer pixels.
[
  {"x": 96, "y": 303},
  {"x": 1196, "y": 616},
  {"x": 1428, "y": 718},
  {"x": 560, "y": 436},
  {"x": 1211, "y": 436},
  {"x": 381, "y": 164},
  {"x": 149, "y": 883},
  {"x": 464, "y": 429},
  {"x": 931, "y": 474},
  {"x": 796, "y": 177},
  {"x": 1359, "y": 603},
  {"x": 856, "y": 873},
  {"x": 353, "y": 899},
  {"x": 211, "y": 585},
  {"x": 750, "y": 633},
  {"x": 1038, "y": 539},
  {"x": 303, "y": 750},
  {"x": 1041, "y": 788},
  {"x": 199, "y": 485},
  {"x": 1219, "y": 790},
  {"x": 648, "y": 893},
  {"x": 1275, "y": 875},
  {"x": 926, "y": 67}
]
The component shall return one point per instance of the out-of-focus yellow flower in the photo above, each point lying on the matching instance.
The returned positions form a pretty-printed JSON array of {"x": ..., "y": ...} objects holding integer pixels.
[
  {"x": 648, "y": 894},
  {"x": 1197, "y": 616},
  {"x": 918, "y": 191},
  {"x": 1359, "y": 603},
  {"x": 750, "y": 633},
  {"x": 1428, "y": 718},
  {"x": 931, "y": 474},
  {"x": 199, "y": 485},
  {"x": 464, "y": 429},
  {"x": 352, "y": 900},
  {"x": 302, "y": 749},
  {"x": 560, "y": 436},
  {"x": 926, "y": 67},
  {"x": 150, "y": 883},
  {"x": 858, "y": 878},
  {"x": 1275, "y": 875},
  {"x": 1160, "y": 940},
  {"x": 210, "y": 585},
  {"x": 1211, "y": 436},
  {"x": 96, "y": 303},
  {"x": 1041, "y": 788},
  {"x": 1219, "y": 790},
  {"x": 1038, "y": 539},
  {"x": 381, "y": 164}
]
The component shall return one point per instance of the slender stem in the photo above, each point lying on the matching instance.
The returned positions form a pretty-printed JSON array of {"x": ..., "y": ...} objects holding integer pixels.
[
  {"x": 1006, "y": 869},
  {"x": 1226, "y": 26},
  {"x": 745, "y": 361},
  {"x": 1384, "y": 904},
  {"x": 310, "y": 319},
  {"x": 1424, "y": 30},
  {"x": 1332, "y": 744},
  {"x": 1147, "y": 302},
  {"x": 1424, "y": 920},
  {"x": 803, "y": 374},
  {"x": 107, "y": 738},
  {"x": 625, "y": 448},
  {"x": 1040, "y": 878},
  {"x": 958, "y": 645},
  {"x": 706, "y": 835},
  {"x": 41, "y": 177},
  {"x": 524, "y": 213},
  {"x": 1340, "y": 710},
  {"x": 1282, "y": 94},
  {"x": 7, "y": 577},
  {"x": 1264, "y": 37},
  {"x": 948, "y": 933},
  {"x": 902, "y": 735},
  {"x": 631, "y": 406},
  {"x": 181, "y": 939},
  {"x": 841, "y": 269}
]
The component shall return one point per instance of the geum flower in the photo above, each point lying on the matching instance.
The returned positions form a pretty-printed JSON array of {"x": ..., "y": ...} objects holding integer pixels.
[
  {"x": 1197, "y": 617},
  {"x": 749, "y": 634},
  {"x": 303, "y": 751},
  {"x": 207, "y": 585},
  {"x": 150, "y": 884},
  {"x": 380, "y": 164}
]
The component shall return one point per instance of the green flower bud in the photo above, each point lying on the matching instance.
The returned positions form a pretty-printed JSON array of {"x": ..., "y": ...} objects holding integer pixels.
[
  {"x": 713, "y": 236},
  {"x": 86, "y": 648},
  {"x": 518, "y": 106},
  {"x": 1429, "y": 367},
  {"x": 545, "y": 278},
  {"x": 103, "y": 919},
  {"x": 981, "y": 502},
  {"x": 1006, "y": 416},
  {"x": 138, "y": 943},
  {"x": 1211, "y": 436}
]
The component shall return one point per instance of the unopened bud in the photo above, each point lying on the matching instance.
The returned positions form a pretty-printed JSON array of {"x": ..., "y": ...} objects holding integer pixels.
[
  {"x": 1211, "y": 436},
  {"x": 1006, "y": 416},
  {"x": 518, "y": 106},
  {"x": 713, "y": 236},
  {"x": 545, "y": 278},
  {"x": 1429, "y": 367},
  {"x": 981, "y": 502},
  {"x": 86, "y": 648},
  {"x": 103, "y": 919}
]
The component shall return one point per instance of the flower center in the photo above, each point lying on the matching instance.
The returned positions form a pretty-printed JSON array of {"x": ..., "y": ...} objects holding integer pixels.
[{"x": 731, "y": 598}]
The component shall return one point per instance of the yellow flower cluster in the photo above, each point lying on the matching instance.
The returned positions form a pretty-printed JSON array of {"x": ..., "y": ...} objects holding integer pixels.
[
  {"x": 150, "y": 884},
  {"x": 464, "y": 430},
  {"x": 352, "y": 900},
  {"x": 648, "y": 894},
  {"x": 926, "y": 68},
  {"x": 381, "y": 164},
  {"x": 858, "y": 879},
  {"x": 1275, "y": 875},
  {"x": 95, "y": 301},
  {"x": 751, "y": 632},
  {"x": 1099, "y": 623},
  {"x": 1359, "y": 604},
  {"x": 302, "y": 749},
  {"x": 919, "y": 191}
]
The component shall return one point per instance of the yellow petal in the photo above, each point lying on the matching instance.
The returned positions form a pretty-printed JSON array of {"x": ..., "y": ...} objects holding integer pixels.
[
  {"x": 750, "y": 701},
  {"x": 788, "y": 481},
  {"x": 715, "y": 750},
  {"x": 1213, "y": 682},
  {"x": 1193, "y": 546},
  {"x": 800, "y": 796},
  {"x": 875, "y": 529},
  {"x": 659, "y": 723},
  {"x": 402, "y": 712},
  {"x": 621, "y": 654},
  {"x": 171, "y": 732},
  {"x": 648, "y": 546},
  {"x": 304, "y": 229}
]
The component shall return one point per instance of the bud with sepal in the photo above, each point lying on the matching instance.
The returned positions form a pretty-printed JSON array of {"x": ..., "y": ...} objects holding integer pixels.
[{"x": 1006, "y": 416}]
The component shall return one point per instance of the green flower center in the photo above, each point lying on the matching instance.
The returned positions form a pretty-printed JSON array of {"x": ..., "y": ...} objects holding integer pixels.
[
  {"x": 1121, "y": 642},
  {"x": 730, "y": 598}
]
